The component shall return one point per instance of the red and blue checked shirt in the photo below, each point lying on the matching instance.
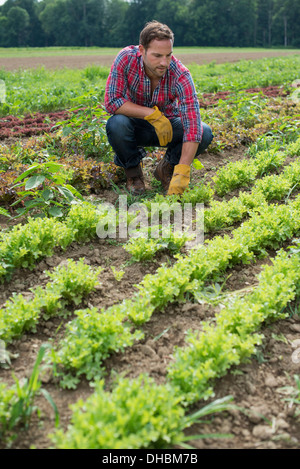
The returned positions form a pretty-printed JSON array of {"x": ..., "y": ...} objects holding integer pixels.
[{"x": 175, "y": 95}]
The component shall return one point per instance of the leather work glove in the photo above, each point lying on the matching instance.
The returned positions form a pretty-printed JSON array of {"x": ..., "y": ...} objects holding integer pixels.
[
  {"x": 180, "y": 179},
  {"x": 162, "y": 126}
]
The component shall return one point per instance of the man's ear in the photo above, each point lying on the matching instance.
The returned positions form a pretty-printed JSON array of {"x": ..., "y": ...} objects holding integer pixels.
[{"x": 142, "y": 49}]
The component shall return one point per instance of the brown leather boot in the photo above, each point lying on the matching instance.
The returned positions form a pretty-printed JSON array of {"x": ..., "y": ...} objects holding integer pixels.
[
  {"x": 163, "y": 173},
  {"x": 135, "y": 180}
]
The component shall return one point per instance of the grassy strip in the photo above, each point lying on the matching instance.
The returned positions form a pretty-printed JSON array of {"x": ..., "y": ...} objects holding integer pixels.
[
  {"x": 68, "y": 51},
  {"x": 24, "y": 245},
  {"x": 245, "y": 74}
]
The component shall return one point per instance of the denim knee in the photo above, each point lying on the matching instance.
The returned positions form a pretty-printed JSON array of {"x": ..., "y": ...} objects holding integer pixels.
[
  {"x": 116, "y": 127},
  {"x": 207, "y": 137},
  {"x": 121, "y": 134}
]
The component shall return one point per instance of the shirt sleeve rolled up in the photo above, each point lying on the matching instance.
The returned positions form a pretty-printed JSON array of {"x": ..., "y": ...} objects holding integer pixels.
[{"x": 189, "y": 109}]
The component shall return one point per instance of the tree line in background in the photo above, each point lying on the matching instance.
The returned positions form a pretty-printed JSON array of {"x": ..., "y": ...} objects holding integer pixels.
[{"x": 117, "y": 23}]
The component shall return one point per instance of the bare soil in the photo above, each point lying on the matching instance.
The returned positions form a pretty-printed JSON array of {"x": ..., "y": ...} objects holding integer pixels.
[{"x": 82, "y": 61}]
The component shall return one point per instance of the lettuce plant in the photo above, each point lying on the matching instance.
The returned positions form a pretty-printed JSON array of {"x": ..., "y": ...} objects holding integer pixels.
[
  {"x": 137, "y": 414},
  {"x": 210, "y": 353},
  {"x": 69, "y": 284}
]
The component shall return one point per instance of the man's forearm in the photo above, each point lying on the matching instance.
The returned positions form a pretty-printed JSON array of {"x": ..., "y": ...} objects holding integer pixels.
[
  {"x": 130, "y": 109},
  {"x": 188, "y": 152}
]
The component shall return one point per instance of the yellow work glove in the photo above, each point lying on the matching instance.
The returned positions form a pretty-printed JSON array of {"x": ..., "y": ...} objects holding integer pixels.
[
  {"x": 162, "y": 126},
  {"x": 180, "y": 179}
]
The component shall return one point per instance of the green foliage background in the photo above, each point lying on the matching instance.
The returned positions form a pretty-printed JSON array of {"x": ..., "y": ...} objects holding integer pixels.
[{"x": 115, "y": 23}]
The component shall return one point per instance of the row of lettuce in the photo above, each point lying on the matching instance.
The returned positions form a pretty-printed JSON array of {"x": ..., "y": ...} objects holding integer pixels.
[
  {"x": 24, "y": 245},
  {"x": 35, "y": 239},
  {"x": 220, "y": 214},
  {"x": 91, "y": 336},
  {"x": 208, "y": 354},
  {"x": 138, "y": 413}
]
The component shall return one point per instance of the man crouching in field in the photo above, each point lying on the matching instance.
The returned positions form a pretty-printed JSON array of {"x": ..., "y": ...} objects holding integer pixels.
[{"x": 153, "y": 102}]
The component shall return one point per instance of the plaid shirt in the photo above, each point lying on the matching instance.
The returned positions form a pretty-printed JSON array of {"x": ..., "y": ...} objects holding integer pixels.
[{"x": 175, "y": 95}]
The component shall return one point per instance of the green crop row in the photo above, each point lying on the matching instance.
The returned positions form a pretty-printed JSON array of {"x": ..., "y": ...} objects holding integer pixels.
[
  {"x": 82, "y": 349},
  {"x": 138, "y": 414},
  {"x": 141, "y": 414},
  {"x": 18, "y": 402},
  {"x": 143, "y": 247},
  {"x": 245, "y": 74},
  {"x": 89, "y": 339},
  {"x": 68, "y": 285},
  {"x": 24, "y": 245},
  {"x": 273, "y": 187},
  {"x": 221, "y": 213},
  {"x": 243, "y": 173},
  {"x": 233, "y": 336},
  {"x": 207, "y": 354},
  {"x": 267, "y": 229},
  {"x": 83, "y": 226}
]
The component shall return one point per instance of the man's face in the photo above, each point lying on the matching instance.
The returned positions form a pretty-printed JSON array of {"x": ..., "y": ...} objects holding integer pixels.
[{"x": 157, "y": 57}]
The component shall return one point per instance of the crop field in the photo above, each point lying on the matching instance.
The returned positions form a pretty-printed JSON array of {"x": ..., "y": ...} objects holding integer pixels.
[{"x": 150, "y": 322}]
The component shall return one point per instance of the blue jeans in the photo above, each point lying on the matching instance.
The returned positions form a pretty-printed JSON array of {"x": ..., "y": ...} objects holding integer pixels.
[{"x": 128, "y": 136}]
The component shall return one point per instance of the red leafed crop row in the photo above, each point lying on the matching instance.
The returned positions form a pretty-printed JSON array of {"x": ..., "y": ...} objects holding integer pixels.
[
  {"x": 33, "y": 124},
  {"x": 38, "y": 123},
  {"x": 270, "y": 91},
  {"x": 211, "y": 99}
]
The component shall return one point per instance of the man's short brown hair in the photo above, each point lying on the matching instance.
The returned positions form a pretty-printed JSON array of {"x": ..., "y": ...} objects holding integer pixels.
[{"x": 155, "y": 30}]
